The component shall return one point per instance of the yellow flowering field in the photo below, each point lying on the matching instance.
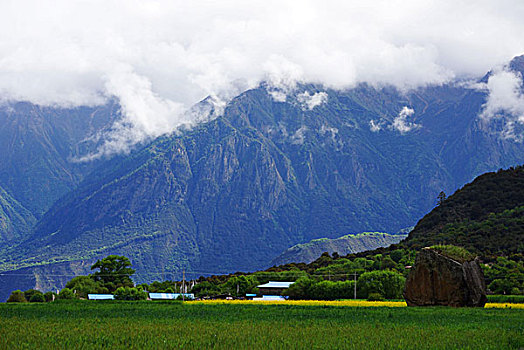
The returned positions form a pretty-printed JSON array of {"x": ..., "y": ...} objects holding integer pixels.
[{"x": 351, "y": 303}]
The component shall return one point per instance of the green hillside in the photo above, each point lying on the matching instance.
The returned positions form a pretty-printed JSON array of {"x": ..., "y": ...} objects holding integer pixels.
[
  {"x": 485, "y": 216},
  {"x": 348, "y": 244}
]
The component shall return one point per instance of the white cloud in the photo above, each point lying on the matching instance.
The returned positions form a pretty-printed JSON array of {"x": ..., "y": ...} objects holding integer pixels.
[
  {"x": 175, "y": 53},
  {"x": 374, "y": 126},
  {"x": 506, "y": 102},
  {"x": 311, "y": 101},
  {"x": 401, "y": 123}
]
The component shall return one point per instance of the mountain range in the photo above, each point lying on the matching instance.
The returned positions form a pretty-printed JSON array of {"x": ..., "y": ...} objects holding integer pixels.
[{"x": 234, "y": 192}]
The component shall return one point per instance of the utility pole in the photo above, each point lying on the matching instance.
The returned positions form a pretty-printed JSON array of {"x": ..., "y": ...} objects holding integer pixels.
[
  {"x": 355, "y": 294},
  {"x": 183, "y": 284}
]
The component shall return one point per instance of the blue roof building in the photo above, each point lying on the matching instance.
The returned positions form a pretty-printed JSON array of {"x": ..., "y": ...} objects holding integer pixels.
[
  {"x": 273, "y": 288},
  {"x": 100, "y": 297}
]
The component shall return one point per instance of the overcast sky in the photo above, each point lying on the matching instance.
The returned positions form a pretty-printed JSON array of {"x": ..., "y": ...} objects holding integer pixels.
[{"x": 160, "y": 57}]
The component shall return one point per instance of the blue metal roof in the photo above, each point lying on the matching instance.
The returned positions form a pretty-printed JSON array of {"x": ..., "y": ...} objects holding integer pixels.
[
  {"x": 169, "y": 296},
  {"x": 100, "y": 296},
  {"x": 273, "y": 284}
]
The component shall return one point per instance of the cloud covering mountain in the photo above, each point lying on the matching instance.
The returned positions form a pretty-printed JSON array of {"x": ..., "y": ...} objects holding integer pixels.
[{"x": 158, "y": 58}]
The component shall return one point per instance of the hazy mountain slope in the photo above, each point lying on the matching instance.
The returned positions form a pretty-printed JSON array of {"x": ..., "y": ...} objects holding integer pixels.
[
  {"x": 348, "y": 244},
  {"x": 38, "y": 146},
  {"x": 15, "y": 220},
  {"x": 235, "y": 192}
]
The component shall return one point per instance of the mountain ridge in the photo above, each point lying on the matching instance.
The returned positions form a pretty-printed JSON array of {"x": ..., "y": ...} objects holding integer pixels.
[{"x": 233, "y": 193}]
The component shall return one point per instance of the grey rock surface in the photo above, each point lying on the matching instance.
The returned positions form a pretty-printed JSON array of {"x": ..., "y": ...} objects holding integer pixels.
[{"x": 439, "y": 280}]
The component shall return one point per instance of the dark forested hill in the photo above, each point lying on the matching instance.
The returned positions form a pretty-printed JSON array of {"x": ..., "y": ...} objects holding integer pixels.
[
  {"x": 233, "y": 193},
  {"x": 485, "y": 216}
]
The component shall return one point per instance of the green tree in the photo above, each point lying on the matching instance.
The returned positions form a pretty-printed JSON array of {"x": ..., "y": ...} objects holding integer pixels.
[
  {"x": 114, "y": 271},
  {"x": 84, "y": 285},
  {"x": 300, "y": 290},
  {"x": 66, "y": 293},
  {"x": 441, "y": 198},
  {"x": 240, "y": 285},
  {"x": 389, "y": 284},
  {"x": 17, "y": 296},
  {"x": 37, "y": 298},
  {"x": 49, "y": 296},
  {"x": 130, "y": 293},
  {"x": 30, "y": 292}
]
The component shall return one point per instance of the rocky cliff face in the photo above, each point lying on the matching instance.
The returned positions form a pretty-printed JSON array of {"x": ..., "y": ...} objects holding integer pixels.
[
  {"x": 439, "y": 280},
  {"x": 15, "y": 220}
]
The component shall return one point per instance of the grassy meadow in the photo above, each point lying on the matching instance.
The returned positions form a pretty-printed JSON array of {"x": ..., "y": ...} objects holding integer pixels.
[{"x": 280, "y": 325}]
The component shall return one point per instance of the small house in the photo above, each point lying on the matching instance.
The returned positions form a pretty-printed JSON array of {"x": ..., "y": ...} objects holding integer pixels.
[
  {"x": 100, "y": 297},
  {"x": 273, "y": 288}
]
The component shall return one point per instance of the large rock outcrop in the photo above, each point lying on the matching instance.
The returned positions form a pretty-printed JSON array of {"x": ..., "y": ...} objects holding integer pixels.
[{"x": 440, "y": 280}]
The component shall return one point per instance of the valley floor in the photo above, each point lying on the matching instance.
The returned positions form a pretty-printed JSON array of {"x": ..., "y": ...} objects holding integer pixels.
[{"x": 296, "y": 325}]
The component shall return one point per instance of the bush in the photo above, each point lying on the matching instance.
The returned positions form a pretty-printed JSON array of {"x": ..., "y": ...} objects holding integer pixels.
[
  {"x": 49, "y": 296},
  {"x": 130, "y": 293},
  {"x": 17, "y": 296},
  {"x": 37, "y": 298},
  {"x": 30, "y": 292},
  {"x": 306, "y": 288},
  {"x": 517, "y": 299},
  {"x": 375, "y": 297},
  {"x": 84, "y": 285},
  {"x": 453, "y": 252},
  {"x": 66, "y": 293},
  {"x": 389, "y": 284}
]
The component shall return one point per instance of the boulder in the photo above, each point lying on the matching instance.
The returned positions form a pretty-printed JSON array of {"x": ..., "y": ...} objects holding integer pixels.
[{"x": 437, "y": 279}]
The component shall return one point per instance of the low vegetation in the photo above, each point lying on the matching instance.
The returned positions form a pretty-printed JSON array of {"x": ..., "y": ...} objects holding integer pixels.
[{"x": 204, "y": 325}]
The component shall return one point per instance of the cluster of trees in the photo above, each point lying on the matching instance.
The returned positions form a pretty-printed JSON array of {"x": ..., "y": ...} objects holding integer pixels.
[
  {"x": 327, "y": 278},
  {"x": 376, "y": 284},
  {"x": 32, "y": 296},
  {"x": 505, "y": 275},
  {"x": 113, "y": 276}
]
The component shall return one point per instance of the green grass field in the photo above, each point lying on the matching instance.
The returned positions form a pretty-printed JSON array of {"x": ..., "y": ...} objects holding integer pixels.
[{"x": 146, "y": 325}]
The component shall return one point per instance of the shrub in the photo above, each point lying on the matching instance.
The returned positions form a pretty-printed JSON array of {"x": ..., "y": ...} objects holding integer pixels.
[
  {"x": 66, "y": 293},
  {"x": 389, "y": 284},
  {"x": 17, "y": 296},
  {"x": 516, "y": 299},
  {"x": 130, "y": 293},
  {"x": 84, "y": 285},
  {"x": 37, "y": 298},
  {"x": 453, "y": 252},
  {"x": 375, "y": 297},
  {"x": 30, "y": 292},
  {"x": 49, "y": 296}
]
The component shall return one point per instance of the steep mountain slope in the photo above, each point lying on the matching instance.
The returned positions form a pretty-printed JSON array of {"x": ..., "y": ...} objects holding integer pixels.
[
  {"x": 15, "y": 220},
  {"x": 348, "y": 244},
  {"x": 235, "y": 192},
  {"x": 39, "y": 146}
]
